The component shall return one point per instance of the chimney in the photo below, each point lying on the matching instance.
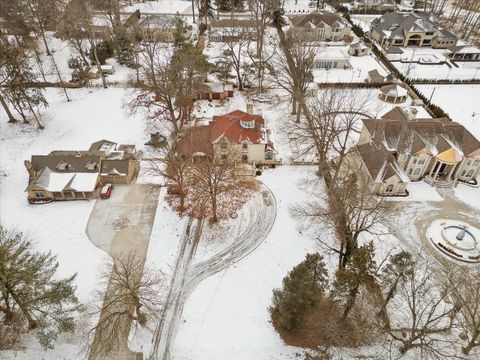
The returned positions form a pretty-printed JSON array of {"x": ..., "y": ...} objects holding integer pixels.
[
  {"x": 250, "y": 107},
  {"x": 412, "y": 114},
  {"x": 154, "y": 138},
  {"x": 29, "y": 166}
]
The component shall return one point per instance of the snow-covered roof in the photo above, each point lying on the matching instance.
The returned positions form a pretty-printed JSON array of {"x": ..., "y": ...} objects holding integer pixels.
[{"x": 57, "y": 181}]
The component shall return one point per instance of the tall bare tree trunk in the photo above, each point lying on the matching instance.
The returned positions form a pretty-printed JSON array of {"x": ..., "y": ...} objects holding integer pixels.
[
  {"x": 11, "y": 118},
  {"x": 97, "y": 63}
]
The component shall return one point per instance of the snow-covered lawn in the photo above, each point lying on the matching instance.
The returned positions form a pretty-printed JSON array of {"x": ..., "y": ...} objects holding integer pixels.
[
  {"x": 465, "y": 71},
  {"x": 60, "y": 227},
  {"x": 358, "y": 73},
  {"x": 461, "y": 102},
  {"x": 363, "y": 21},
  {"x": 227, "y": 315}
]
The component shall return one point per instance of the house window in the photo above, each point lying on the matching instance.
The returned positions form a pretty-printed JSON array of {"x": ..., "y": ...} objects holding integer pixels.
[
  {"x": 414, "y": 161},
  {"x": 247, "y": 124},
  {"x": 39, "y": 194},
  {"x": 223, "y": 156},
  {"x": 421, "y": 161},
  {"x": 244, "y": 145},
  {"x": 469, "y": 162},
  {"x": 416, "y": 172},
  {"x": 389, "y": 188},
  {"x": 476, "y": 162},
  {"x": 268, "y": 155},
  {"x": 470, "y": 174},
  {"x": 463, "y": 173},
  {"x": 223, "y": 145},
  {"x": 410, "y": 171},
  {"x": 244, "y": 158}
]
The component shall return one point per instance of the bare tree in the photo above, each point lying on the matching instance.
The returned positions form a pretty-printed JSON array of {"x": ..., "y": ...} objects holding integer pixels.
[
  {"x": 331, "y": 118},
  {"x": 396, "y": 271},
  {"x": 168, "y": 80},
  {"x": 349, "y": 209},
  {"x": 237, "y": 43},
  {"x": 132, "y": 297},
  {"x": 213, "y": 178},
  {"x": 174, "y": 169},
  {"x": 464, "y": 287},
  {"x": 262, "y": 11},
  {"x": 421, "y": 313},
  {"x": 292, "y": 67}
]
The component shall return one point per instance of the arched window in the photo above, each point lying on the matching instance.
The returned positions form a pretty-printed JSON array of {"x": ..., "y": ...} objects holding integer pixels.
[
  {"x": 416, "y": 172},
  {"x": 470, "y": 173},
  {"x": 269, "y": 155},
  {"x": 389, "y": 188}
]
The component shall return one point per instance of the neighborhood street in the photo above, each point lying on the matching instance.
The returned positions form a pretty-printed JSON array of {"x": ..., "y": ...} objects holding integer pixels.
[{"x": 263, "y": 210}]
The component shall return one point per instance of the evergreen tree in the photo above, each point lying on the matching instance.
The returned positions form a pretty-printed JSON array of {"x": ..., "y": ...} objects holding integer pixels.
[
  {"x": 31, "y": 296},
  {"x": 124, "y": 46},
  {"x": 360, "y": 271},
  {"x": 301, "y": 289},
  {"x": 226, "y": 5},
  {"x": 206, "y": 10},
  {"x": 179, "y": 38}
]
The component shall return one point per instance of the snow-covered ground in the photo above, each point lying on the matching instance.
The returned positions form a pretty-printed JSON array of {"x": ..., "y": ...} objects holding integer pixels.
[
  {"x": 461, "y": 102},
  {"x": 160, "y": 7},
  {"x": 227, "y": 313},
  {"x": 363, "y": 21},
  {"x": 60, "y": 227},
  {"x": 465, "y": 71},
  {"x": 358, "y": 73}
]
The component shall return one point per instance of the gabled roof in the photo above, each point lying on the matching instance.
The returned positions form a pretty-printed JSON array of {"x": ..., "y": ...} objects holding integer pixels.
[
  {"x": 230, "y": 127},
  {"x": 433, "y": 136},
  {"x": 380, "y": 164},
  {"x": 232, "y": 23},
  {"x": 317, "y": 19},
  {"x": 57, "y": 182},
  {"x": 396, "y": 25}
]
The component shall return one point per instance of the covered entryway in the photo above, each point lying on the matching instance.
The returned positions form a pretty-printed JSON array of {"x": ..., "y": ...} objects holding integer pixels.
[{"x": 414, "y": 40}]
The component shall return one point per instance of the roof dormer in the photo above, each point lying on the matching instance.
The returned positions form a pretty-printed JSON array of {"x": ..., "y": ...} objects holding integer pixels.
[{"x": 247, "y": 124}]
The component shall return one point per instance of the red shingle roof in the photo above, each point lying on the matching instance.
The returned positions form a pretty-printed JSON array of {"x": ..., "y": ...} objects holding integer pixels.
[{"x": 229, "y": 127}]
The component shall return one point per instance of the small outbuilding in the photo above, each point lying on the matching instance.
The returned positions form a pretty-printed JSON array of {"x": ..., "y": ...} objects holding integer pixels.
[
  {"x": 396, "y": 93},
  {"x": 359, "y": 49}
]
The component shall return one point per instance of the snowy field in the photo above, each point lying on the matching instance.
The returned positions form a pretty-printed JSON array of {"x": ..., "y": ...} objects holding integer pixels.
[
  {"x": 461, "y": 102},
  {"x": 465, "y": 71}
]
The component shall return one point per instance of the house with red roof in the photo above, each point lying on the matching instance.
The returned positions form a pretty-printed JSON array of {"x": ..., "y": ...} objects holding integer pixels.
[{"x": 242, "y": 132}]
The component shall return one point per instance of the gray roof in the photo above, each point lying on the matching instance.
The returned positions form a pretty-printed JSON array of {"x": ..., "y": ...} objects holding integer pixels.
[
  {"x": 396, "y": 133},
  {"x": 317, "y": 19},
  {"x": 68, "y": 161},
  {"x": 396, "y": 25}
]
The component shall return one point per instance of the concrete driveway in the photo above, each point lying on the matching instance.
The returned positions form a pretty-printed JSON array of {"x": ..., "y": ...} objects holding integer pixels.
[{"x": 123, "y": 224}]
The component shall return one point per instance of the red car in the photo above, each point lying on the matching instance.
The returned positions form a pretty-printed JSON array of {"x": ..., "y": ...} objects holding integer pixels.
[{"x": 106, "y": 191}]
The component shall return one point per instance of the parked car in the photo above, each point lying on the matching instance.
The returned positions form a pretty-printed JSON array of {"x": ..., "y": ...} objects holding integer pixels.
[{"x": 106, "y": 191}]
